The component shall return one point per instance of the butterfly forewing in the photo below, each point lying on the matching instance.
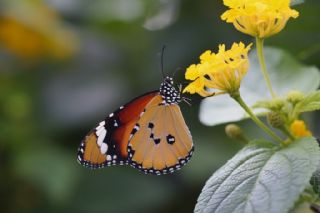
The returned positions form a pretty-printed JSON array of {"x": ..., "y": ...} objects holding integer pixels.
[
  {"x": 107, "y": 143},
  {"x": 161, "y": 141}
]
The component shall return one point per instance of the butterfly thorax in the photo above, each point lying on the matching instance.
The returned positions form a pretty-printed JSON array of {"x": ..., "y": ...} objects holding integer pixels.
[{"x": 168, "y": 92}]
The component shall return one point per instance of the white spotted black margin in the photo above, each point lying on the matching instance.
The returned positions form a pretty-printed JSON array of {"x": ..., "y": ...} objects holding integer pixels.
[{"x": 167, "y": 170}]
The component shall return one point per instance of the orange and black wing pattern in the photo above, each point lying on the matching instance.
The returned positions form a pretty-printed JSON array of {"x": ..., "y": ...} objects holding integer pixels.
[
  {"x": 160, "y": 142},
  {"x": 149, "y": 133},
  {"x": 107, "y": 143}
]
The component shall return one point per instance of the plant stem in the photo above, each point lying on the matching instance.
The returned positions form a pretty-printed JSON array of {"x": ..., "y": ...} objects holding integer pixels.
[
  {"x": 259, "y": 45},
  {"x": 287, "y": 132},
  {"x": 240, "y": 101}
]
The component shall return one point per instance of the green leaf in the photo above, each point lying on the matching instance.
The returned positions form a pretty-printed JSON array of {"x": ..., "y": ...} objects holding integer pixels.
[
  {"x": 315, "y": 179},
  {"x": 273, "y": 105},
  {"x": 286, "y": 74},
  {"x": 302, "y": 208},
  {"x": 263, "y": 104},
  {"x": 311, "y": 102},
  {"x": 261, "y": 179}
]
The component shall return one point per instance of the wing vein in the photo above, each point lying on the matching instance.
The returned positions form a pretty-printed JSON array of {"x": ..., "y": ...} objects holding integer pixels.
[
  {"x": 178, "y": 132},
  {"x": 171, "y": 147}
]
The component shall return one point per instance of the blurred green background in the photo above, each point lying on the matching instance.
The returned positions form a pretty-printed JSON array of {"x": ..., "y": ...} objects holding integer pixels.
[{"x": 66, "y": 64}]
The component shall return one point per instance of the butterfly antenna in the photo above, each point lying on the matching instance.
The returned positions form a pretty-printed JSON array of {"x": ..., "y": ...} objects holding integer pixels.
[
  {"x": 186, "y": 100},
  {"x": 162, "y": 56},
  {"x": 179, "y": 87},
  {"x": 175, "y": 72}
]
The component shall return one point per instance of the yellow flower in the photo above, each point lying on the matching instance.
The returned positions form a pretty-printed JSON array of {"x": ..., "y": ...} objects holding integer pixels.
[
  {"x": 298, "y": 129},
  {"x": 32, "y": 30},
  {"x": 221, "y": 72},
  {"x": 258, "y": 18}
]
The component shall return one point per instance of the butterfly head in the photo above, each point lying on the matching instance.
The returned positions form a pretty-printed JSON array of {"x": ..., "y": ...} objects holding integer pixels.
[{"x": 169, "y": 93}]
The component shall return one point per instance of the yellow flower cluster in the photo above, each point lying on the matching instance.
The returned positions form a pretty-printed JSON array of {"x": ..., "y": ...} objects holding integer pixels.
[
  {"x": 34, "y": 31},
  {"x": 258, "y": 18},
  {"x": 222, "y": 72},
  {"x": 298, "y": 129}
]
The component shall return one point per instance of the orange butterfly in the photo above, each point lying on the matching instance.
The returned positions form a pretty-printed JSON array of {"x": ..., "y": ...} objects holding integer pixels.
[{"x": 148, "y": 133}]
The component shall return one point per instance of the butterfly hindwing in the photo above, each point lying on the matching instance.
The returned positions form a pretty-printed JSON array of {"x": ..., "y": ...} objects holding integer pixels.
[
  {"x": 106, "y": 144},
  {"x": 160, "y": 142}
]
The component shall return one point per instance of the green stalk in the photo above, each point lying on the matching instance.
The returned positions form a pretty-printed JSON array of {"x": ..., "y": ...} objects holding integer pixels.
[
  {"x": 287, "y": 132},
  {"x": 240, "y": 101},
  {"x": 259, "y": 45}
]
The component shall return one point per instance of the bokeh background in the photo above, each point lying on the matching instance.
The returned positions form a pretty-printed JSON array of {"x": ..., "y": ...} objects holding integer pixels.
[{"x": 66, "y": 64}]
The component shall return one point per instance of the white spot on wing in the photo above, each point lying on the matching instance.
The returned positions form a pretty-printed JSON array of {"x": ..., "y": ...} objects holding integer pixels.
[
  {"x": 104, "y": 148},
  {"x": 101, "y": 124},
  {"x": 101, "y": 137},
  {"x": 136, "y": 127},
  {"x": 100, "y": 130},
  {"x": 108, "y": 157}
]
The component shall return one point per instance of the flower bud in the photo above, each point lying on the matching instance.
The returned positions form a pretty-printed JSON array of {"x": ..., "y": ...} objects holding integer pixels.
[
  {"x": 295, "y": 97},
  {"x": 299, "y": 129},
  {"x": 233, "y": 131},
  {"x": 276, "y": 104},
  {"x": 275, "y": 119}
]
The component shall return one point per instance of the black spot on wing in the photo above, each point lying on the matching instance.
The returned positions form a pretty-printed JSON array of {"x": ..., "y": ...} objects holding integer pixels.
[
  {"x": 150, "y": 125},
  {"x": 135, "y": 129},
  {"x": 156, "y": 140},
  {"x": 170, "y": 139}
]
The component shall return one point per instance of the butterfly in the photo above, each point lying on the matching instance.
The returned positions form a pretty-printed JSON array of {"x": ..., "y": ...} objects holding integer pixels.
[{"x": 149, "y": 133}]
